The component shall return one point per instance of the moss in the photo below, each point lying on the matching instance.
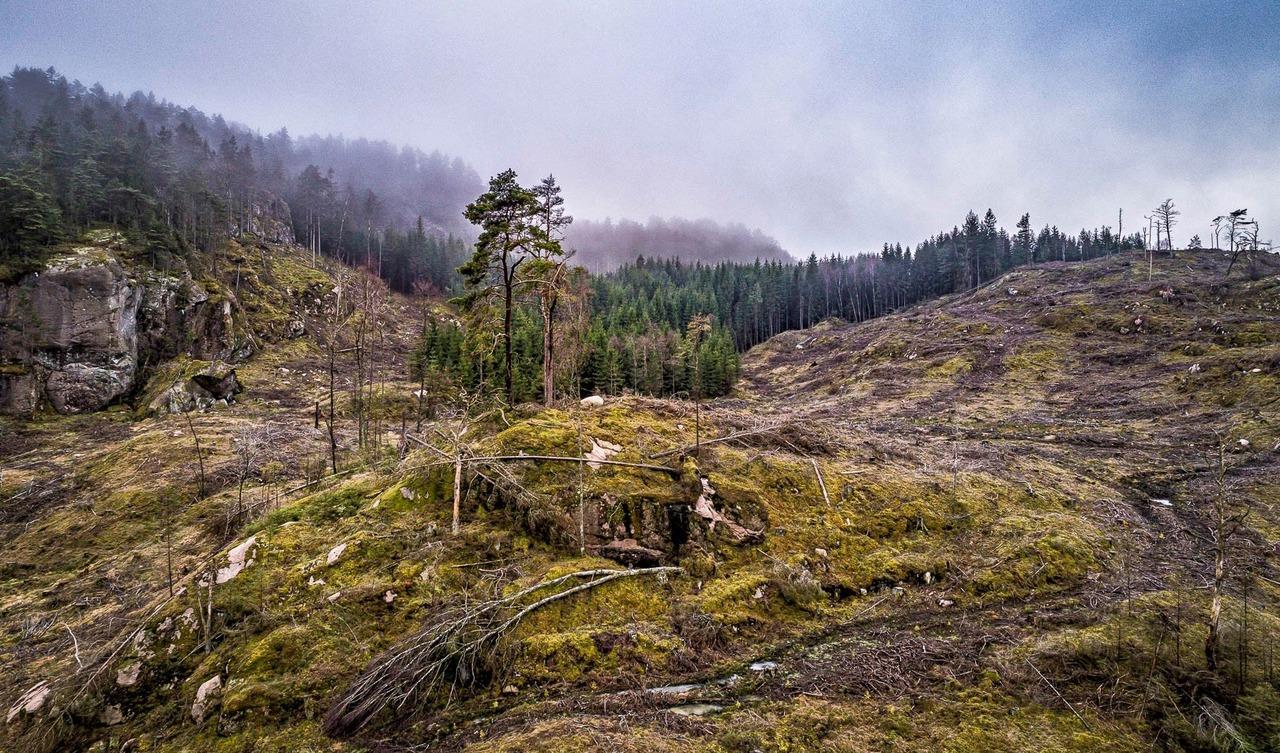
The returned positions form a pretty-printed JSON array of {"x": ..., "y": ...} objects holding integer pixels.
[
  {"x": 321, "y": 507},
  {"x": 952, "y": 367},
  {"x": 1037, "y": 362},
  {"x": 1038, "y": 550},
  {"x": 303, "y": 737},
  {"x": 175, "y": 371}
]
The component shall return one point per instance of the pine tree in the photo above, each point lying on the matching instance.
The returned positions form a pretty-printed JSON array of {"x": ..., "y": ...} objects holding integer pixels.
[
  {"x": 548, "y": 271},
  {"x": 506, "y": 214}
]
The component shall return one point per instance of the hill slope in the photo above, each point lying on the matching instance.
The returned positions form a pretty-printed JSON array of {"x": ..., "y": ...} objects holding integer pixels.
[{"x": 863, "y": 565}]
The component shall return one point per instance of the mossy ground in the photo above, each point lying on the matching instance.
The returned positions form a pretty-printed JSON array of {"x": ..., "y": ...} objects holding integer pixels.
[{"x": 990, "y": 465}]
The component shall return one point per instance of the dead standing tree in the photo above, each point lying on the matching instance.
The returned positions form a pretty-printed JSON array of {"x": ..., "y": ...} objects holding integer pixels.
[
  {"x": 1226, "y": 519},
  {"x": 250, "y": 445},
  {"x": 335, "y": 323},
  {"x": 1165, "y": 217}
]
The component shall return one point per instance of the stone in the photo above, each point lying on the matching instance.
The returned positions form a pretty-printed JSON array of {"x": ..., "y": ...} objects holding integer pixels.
[
  {"x": 705, "y": 509},
  {"x": 88, "y": 324},
  {"x": 601, "y": 450},
  {"x": 127, "y": 675},
  {"x": 335, "y": 554},
  {"x": 208, "y": 692},
  {"x": 238, "y": 559},
  {"x": 214, "y": 384},
  {"x": 407, "y": 493},
  {"x": 594, "y": 401},
  {"x": 30, "y": 702},
  {"x": 296, "y": 328},
  {"x": 630, "y": 553},
  {"x": 111, "y": 715}
]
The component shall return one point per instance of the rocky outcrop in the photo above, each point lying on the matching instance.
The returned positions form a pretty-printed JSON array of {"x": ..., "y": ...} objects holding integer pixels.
[
  {"x": 77, "y": 333},
  {"x": 267, "y": 218},
  {"x": 199, "y": 387}
]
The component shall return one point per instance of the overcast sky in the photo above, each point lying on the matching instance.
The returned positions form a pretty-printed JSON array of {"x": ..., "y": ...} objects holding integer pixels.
[{"x": 833, "y": 127}]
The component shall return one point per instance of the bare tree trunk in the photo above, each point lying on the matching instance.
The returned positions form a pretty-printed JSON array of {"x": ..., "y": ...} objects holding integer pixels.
[
  {"x": 168, "y": 546},
  {"x": 509, "y": 366},
  {"x": 457, "y": 491},
  {"x": 199, "y": 454},
  {"x": 548, "y": 355},
  {"x": 333, "y": 441},
  {"x": 1215, "y": 610}
]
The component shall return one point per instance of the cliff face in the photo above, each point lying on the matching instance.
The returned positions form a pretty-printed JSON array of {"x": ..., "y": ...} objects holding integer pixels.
[
  {"x": 77, "y": 332},
  {"x": 86, "y": 330}
]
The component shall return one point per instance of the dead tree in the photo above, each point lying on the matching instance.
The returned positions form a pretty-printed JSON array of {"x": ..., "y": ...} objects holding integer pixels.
[
  {"x": 251, "y": 443},
  {"x": 1165, "y": 217},
  {"x": 1226, "y": 520},
  {"x": 199, "y": 455}
]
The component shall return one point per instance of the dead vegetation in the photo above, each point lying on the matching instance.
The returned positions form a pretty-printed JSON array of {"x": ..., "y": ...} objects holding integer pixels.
[{"x": 982, "y": 524}]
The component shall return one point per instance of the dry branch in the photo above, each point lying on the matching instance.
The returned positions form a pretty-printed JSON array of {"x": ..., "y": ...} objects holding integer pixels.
[{"x": 455, "y": 649}]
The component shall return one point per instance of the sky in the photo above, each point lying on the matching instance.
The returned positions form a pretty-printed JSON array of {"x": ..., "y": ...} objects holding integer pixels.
[{"x": 832, "y": 126}]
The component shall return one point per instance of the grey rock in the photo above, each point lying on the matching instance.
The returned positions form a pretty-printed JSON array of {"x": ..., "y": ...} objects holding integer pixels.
[
  {"x": 215, "y": 384},
  {"x": 86, "y": 328}
]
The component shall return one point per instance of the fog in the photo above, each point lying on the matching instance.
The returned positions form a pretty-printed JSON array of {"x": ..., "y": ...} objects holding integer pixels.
[
  {"x": 831, "y": 127},
  {"x": 604, "y": 245}
]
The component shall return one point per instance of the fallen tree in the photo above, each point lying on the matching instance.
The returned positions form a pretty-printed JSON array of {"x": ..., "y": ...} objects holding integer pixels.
[{"x": 454, "y": 649}]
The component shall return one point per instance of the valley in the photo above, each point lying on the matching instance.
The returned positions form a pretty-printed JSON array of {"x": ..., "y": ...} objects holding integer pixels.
[{"x": 984, "y": 522}]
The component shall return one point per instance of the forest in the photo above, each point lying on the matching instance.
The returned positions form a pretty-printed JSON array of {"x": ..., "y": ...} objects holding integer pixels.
[
  {"x": 630, "y": 333},
  {"x": 180, "y": 182}
]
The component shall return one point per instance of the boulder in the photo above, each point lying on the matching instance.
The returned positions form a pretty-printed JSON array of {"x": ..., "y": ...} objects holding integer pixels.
[
  {"x": 238, "y": 558},
  {"x": 268, "y": 218},
  {"x": 198, "y": 389},
  {"x": 84, "y": 324},
  {"x": 208, "y": 692},
  {"x": 30, "y": 702},
  {"x": 594, "y": 401}
]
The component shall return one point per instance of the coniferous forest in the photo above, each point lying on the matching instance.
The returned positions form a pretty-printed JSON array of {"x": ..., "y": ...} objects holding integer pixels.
[
  {"x": 181, "y": 182},
  {"x": 665, "y": 377}
]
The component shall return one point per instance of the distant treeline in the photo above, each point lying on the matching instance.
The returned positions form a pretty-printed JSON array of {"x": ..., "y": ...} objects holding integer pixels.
[
  {"x": 181, "y": 181},
  {"x": 757, "y": 301},
  {"x": 632, "y": 338},
  {"x": 603, "y": 246}
]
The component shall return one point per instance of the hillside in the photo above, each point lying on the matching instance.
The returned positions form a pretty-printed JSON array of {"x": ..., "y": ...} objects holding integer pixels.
[{"x": 978, "y": 524}]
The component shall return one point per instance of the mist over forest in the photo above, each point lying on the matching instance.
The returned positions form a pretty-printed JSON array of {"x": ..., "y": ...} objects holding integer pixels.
[
  {"x": 339, "y": 189},
  {"x": 605, "y": 245},
  {"x": 350, "y": 403}
]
